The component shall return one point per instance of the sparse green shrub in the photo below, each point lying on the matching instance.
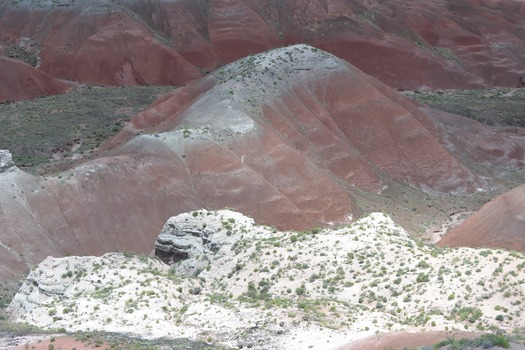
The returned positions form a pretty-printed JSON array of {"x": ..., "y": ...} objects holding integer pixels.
[
  {"x": 301, "y": 290},
  {"x": 422, "y": 277},
  {"x": 470, "y": 314},
  {"x": 423, "y": 264}
]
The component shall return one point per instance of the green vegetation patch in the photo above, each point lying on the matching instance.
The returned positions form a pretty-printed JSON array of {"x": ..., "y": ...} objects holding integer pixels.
[
  {"x": 123, "y": 342},
  {"x": 486, "y": 341},
  {"x": 17, "y": 53},
  {"x": 51, "y": 131},
  {"x": 503, "y": 107}
]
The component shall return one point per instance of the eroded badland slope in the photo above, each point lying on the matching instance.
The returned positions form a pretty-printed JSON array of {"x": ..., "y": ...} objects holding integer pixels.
[
  {"x": 294, "y": 137},
  {"x": 282, "y": 136},
  {"x": 406, "y": 44}
]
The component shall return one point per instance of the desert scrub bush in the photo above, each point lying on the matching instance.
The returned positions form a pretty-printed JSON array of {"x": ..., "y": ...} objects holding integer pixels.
[
  {"x": 67, "y": 274},
  {"x": 421, "y": 277},
  {"x": 470, "y": 314},
  {"x": 423, "y": 265},
  {"x": 301, "y": 290},
  {"x": 254, "y": 295}
]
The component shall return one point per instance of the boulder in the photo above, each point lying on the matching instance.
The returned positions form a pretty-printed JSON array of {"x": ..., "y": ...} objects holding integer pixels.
[
  {"x": 181, "y": 240},
  {"x": 189, "y": 241}
]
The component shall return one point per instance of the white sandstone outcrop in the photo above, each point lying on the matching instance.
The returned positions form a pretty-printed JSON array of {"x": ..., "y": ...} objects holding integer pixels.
[{"x": 238, "y": 283}]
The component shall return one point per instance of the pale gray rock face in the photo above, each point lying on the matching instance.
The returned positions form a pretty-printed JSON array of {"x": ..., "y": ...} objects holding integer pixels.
[
  {"x": 6, "y": 161},
  {"x": 190, "y": 241},
  {"x": 181, "y": 240}
]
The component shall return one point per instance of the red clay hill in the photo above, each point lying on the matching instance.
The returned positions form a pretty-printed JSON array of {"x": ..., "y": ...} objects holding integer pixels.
[
  {"x": 499, "y": 223},
  {"x": 282, "y": 136},
  {"x": 405, "y": 43},
  {"x": 20, "y": 81}
]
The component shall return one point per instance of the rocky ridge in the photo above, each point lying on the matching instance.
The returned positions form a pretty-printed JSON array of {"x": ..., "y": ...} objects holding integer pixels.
[{"x": 262, "y": 288}]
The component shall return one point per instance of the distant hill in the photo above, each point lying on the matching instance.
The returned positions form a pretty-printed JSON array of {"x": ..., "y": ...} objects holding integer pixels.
[{"x": 406, "y": 44}]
